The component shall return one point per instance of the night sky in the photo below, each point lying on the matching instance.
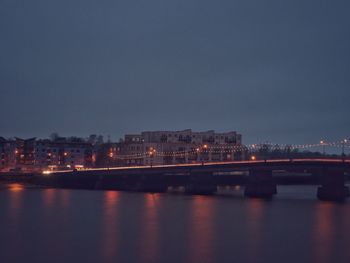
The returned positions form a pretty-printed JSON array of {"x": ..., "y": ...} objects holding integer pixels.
[{"x": 272, "y": 70}]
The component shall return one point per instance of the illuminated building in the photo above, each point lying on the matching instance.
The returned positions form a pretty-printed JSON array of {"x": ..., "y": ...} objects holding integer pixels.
[
  {"x": 7, "y": 154},
  {"x": 189, "y": 146},
  {"x": 63, "y": 153},
  {"x": 25, "y": 153}
]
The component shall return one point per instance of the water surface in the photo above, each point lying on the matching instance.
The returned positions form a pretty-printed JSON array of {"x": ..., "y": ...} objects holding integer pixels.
[{"x": 56, "y": 225}]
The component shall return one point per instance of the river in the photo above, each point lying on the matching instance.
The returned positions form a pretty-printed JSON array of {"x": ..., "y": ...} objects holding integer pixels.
[{"x": 58, "y": 225}]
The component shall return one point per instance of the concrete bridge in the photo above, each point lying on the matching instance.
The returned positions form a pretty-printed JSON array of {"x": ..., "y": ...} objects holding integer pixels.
[{"x": 259, "y": 177}]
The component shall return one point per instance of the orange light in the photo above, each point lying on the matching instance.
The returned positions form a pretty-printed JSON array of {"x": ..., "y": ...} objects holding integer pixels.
[
  {"x": 253, "y": 158},
  {"x": 65, "y": 154},
  {"x": 16, "y": 187},
  {"x": 205, "y": 146}
]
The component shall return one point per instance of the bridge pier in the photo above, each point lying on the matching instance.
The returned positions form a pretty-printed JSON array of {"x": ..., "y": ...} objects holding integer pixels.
[
  {"x": 332, "y": 187},
  {"x": 260, "y": 184},
  {"x": 201, "y": 183}
]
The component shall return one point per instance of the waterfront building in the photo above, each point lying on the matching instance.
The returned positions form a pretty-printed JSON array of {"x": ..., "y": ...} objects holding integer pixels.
[
  {"x": 25, "y": 153},
  {"x": 63, "y": 153},
  {"x": 175, "y": 147},
  {"x": 107, "y": 155},
  {"x": 7, "y": 154},
  {"x": 146, "y": 148}
]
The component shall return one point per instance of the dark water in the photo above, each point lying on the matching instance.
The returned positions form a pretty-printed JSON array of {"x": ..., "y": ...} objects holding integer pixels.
[{"x": 53, "y": 225}]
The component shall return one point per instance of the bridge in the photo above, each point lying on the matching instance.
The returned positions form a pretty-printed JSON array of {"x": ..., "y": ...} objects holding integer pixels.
[{"x": 259, "y": 177}]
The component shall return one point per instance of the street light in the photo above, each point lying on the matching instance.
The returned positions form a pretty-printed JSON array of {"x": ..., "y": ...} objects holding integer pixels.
[
  {"x": 151, "y": 153},
  {"x": 251, "y": 151},
  {"x": 322, "y": 142},
  {"x": 205, "y": 147},
  {"x": 197, "y": 153},
  {"x": 343, "y": 148}
]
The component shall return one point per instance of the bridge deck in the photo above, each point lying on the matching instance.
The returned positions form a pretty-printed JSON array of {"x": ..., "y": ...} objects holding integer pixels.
[{"x": 267, "y": 164}]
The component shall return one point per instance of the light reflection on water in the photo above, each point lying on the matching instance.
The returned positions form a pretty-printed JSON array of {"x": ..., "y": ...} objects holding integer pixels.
[
  {"x": 48, "y": 197},
  {"x": 323, "y": 232},
  {"x": 55, "y": 225},
  {"x": 150, "y": 227},
  {"x": 201, "y": 232},
  {"x": 255, "y": 213},
  {"x": 110, "y": 235}
]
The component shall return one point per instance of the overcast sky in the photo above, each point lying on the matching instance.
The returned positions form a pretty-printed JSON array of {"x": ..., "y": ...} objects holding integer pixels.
[{"x": 272, "y": 70}]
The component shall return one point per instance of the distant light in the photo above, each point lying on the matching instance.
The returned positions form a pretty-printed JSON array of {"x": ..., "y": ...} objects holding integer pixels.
[
  {"x": 253, "y": 158},
  {"x": 322, "y": 142},
  {"x": 16, "y": 187},
  {"x": 46, "y": 172}
]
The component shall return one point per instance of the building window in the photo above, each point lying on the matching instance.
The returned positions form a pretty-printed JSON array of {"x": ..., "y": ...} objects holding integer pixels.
[{"x": 163, "y": 138}]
